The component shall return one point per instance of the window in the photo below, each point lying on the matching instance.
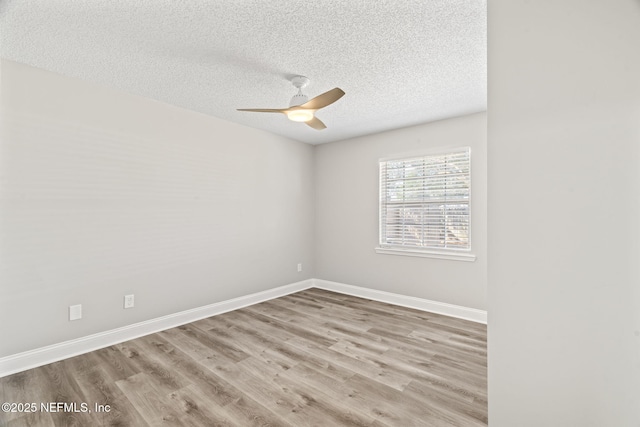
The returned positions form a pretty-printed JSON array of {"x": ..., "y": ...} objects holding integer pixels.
[{"x": 424, "y": 205}]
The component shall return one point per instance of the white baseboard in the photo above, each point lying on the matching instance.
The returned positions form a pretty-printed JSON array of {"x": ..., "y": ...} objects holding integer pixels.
[
  {"x": 53, "y": 353},
  {"x": 472, "y": 314}
]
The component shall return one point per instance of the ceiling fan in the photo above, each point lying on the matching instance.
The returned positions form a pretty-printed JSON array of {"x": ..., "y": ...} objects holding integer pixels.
[{"x": 302, "y": 110}]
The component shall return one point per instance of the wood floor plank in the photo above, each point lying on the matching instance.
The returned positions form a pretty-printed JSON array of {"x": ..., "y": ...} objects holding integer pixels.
[
  {"x": 241, "y": 408},
  {"x": 407, "y": 316},
  {"x": 313, "y": 358},
  {"x": 99, "y": 387},
  {"x": 248, "y": 413},
  {"x": 196, "y": 373},
  {"x": 253, "y": 339},
  {"x": 143, "y": 394},
  {"x": 320, "y": 408},
  {"x": 438, "y": 347},
  {"x": 163, "y": 378},
  {"x": 471, "y": 408},
  {"x": 259, "y": 334},
  {"x": 20, "y": 387},
  {"x": 252, "y": 379},
  {"x": 114, "y": 363},
  {"x": 57, "y": 386},
  {"x": 193, "y": 407},
  {"x": 350, "y": 396},
  {"x": 328, "y": 367},
  {"x": 219, "y": 344},
  {"x": 34, "y": 419},
  {"x": 346, "y": 318},
  {"x": 305, "y": 331},
  {"x": 367, "y": 366},
  {"x": 194, "y": 348},
  {"x": 412, "y": 412},
  {"x": 414, "y": 367}
]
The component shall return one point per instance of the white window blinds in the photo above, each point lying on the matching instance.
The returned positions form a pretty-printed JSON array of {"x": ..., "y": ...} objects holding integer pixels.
[{"x": 424, "y": 202}]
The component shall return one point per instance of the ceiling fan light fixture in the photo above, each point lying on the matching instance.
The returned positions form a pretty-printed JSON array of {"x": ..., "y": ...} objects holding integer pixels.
[{"x": 300, "y": 115}]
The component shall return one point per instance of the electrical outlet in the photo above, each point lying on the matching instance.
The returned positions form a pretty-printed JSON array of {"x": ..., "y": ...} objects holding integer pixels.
[
  {"x": 75, "y": 312},
  {"x": 129, "y": 301},
  {"x": 299, "y": 267}
]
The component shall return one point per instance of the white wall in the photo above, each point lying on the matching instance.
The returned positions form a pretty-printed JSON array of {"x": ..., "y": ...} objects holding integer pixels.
[
  {"x": 347, "y": 181},
  {"x": 564, "y": 186},
  {"x": 104, "y": 194}
]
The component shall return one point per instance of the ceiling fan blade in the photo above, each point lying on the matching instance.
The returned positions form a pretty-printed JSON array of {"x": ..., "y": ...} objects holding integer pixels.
[
  {"x": 264, "y": 110},
  {"x": 323, "y": 100},
  {"x": 316, "y": 123}
]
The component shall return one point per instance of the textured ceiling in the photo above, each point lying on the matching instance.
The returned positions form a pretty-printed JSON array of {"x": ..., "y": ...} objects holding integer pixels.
[{"x": 400, "y": 62}]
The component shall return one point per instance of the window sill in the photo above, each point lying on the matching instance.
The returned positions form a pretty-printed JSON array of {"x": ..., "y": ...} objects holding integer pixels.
[{"x": 456, "y": 256}]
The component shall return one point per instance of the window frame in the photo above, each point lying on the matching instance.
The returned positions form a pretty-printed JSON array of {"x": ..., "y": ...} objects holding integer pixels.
[{"x": 427, "y": 252}]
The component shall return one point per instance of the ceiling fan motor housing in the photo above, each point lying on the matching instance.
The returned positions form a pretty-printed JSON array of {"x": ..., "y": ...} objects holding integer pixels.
[{"x": 299, "y": 98}]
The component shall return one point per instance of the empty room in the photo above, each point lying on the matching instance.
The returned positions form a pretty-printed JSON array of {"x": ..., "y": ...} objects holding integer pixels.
[{"x": 331, "y": 213}]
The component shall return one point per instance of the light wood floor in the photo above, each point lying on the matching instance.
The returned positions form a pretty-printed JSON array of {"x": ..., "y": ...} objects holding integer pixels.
[{"x": 314, "y": 358}]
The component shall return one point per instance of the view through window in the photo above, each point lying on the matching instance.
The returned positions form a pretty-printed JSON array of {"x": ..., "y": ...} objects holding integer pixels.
[{"x": 424, "y": 202}]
